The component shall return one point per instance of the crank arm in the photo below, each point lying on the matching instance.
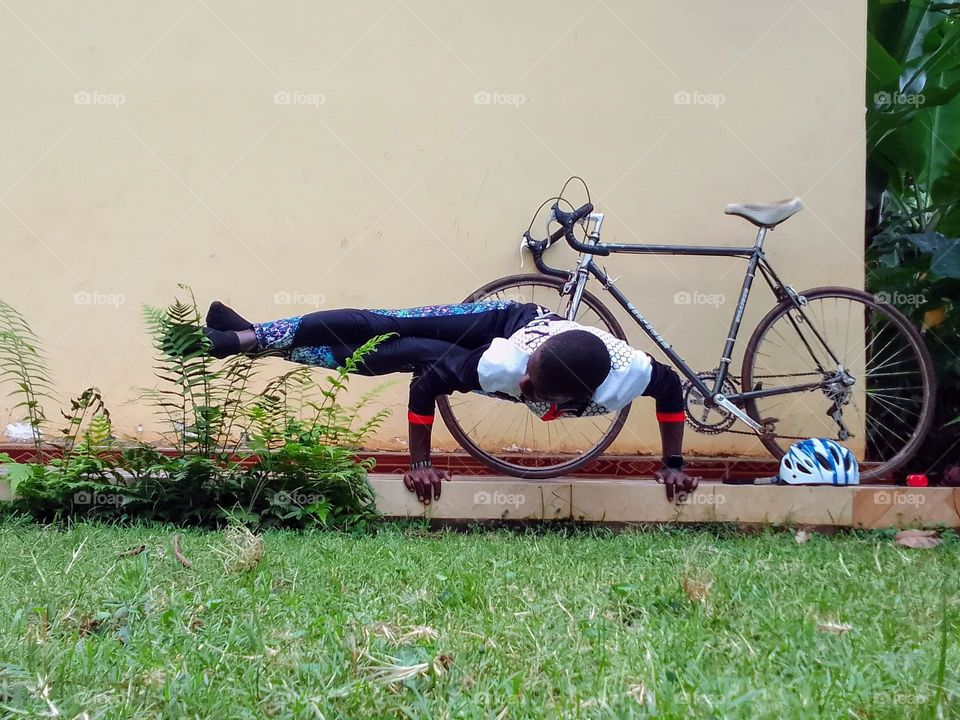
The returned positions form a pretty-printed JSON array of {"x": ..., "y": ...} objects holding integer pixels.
[{"x": 722, "y": 402}]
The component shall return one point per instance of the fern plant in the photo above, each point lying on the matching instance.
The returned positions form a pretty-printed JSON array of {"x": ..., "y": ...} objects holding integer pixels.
[
  {"x": 88, "y": 422},
  {"x": 23, "y": 365},
  {"x": 299, "y": 469},
  {"x": 87, "y": 442},
  {"x": 199, "y": 401},
  {"x": 305, "y": 442},
  {"x": 297, "y": 399}
]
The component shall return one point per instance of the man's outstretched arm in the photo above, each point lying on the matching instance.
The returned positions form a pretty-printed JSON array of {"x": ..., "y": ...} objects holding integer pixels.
[
  {"x": 666, "y": 390},
  {"x": 452, "y": 370}
]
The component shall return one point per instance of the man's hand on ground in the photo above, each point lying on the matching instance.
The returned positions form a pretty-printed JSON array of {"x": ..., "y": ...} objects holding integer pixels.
[
  {"x": 425, "y": 482},
  {"x": 678, "y": 484}
]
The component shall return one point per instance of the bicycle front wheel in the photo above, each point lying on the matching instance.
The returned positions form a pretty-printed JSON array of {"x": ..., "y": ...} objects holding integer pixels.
[
  {"x": 506, "y": 436},
  {"x": 875, "y": 378}
]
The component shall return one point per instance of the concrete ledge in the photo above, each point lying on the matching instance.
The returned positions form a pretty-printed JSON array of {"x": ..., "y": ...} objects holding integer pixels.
[
  {"x": 640, "y": 501},
  {"x": 644, "y": 501}
]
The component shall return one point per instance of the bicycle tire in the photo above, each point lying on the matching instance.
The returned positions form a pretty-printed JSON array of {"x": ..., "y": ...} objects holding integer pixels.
[{"x": 885, "y": 468}]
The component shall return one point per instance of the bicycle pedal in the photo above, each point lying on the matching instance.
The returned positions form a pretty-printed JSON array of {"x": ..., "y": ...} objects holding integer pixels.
[{"x": 768, "y": 425}]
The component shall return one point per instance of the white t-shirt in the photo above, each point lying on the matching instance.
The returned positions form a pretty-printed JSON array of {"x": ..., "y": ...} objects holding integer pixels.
[{"x": 503, "y": 364}]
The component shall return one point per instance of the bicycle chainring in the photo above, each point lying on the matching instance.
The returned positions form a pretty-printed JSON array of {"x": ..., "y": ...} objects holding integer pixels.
[{"x": 703, "y": 419}]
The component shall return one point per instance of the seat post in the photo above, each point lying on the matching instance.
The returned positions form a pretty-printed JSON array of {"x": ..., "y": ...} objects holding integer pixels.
[{"x": 761, "y": 234}]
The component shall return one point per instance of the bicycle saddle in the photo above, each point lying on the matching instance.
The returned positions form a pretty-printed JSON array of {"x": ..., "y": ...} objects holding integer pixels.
[{"x": 766, "y": 215}]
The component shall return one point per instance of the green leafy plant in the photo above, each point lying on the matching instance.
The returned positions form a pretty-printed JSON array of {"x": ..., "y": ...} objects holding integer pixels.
[
  {"x": 913, "y": 184},
  {"x": 23, "y": 365},
  {"x": 913, "y": 112},
  {"x": 198, "y": 397},
  {"x": 305, "y": 443},
  {"x": 286, "y": 456}
]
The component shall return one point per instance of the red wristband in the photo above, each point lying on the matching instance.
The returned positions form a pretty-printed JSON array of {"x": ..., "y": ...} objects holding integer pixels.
[{"x": 671, "y": 417}]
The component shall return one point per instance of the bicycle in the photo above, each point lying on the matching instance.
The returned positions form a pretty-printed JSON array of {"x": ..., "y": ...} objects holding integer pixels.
[{"x": 877, "y": 398}]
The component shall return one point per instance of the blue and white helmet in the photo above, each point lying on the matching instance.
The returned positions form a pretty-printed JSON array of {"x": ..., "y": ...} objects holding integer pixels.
[{"x": 818, "y": 461}]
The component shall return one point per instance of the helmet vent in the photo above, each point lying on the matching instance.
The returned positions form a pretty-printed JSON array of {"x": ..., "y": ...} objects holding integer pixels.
[{"x": 824, "y": 462}]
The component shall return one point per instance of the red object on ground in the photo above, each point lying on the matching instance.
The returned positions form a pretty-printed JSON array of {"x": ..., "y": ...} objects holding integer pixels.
[{"x": 918, "y": 480}]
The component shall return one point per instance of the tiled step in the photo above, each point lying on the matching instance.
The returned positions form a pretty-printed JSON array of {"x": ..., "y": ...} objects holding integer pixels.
[{"x": 639, "y": 501}]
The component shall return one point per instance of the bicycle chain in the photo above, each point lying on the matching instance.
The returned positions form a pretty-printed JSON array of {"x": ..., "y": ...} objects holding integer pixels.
[{"x": 709, "y": 430}]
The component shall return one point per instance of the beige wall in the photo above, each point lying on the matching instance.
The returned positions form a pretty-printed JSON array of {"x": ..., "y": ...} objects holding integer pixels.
[{"x": 143, "y": 146}]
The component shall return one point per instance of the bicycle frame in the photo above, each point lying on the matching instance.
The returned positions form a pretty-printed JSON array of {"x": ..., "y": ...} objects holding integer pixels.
[{"x": 586, "y": 266}]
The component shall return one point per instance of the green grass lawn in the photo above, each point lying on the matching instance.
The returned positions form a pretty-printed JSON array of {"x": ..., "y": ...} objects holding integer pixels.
[{"x": 406, "y": 623}]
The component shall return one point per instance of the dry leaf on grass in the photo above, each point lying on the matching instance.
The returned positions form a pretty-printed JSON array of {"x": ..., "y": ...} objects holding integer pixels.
[
  {"x": 801, "y": 536},
  {"x": 830, "y": 626},
  {"x": 179, "y": 555},
  {"x": 697, "y": 587},
  {"x": 917, "y": 538},
  {"x": 244, "y": 549},
  {"x": 390, "y": 671},
  {"x": 398, "y": 635},
  {"x": 132, "y": 552}
]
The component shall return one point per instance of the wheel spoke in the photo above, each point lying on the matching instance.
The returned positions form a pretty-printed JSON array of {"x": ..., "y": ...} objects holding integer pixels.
[{"x": 888, "y": 406}]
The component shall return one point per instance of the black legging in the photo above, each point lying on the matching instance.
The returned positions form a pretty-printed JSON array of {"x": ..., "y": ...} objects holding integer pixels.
[
  {"x": 440, "y": 344},
  {"x": 351, "y": 327}
]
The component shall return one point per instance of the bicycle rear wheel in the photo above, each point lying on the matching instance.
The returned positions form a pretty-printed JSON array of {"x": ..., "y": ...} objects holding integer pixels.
[
  {"x": 876, "y": 376},
  {"x": 506, "y": 436}
]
